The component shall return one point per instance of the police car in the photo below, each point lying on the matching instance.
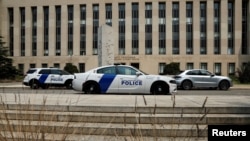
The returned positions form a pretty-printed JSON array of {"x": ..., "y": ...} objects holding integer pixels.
[
  {"x": 45, "y": 77},
  {"x": 122, "y": 79}
]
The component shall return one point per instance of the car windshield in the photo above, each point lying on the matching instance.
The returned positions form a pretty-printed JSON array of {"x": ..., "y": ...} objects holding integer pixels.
[
  {"x": 63, "y": 72},
  {"x": 180, "y": 73},
  {"x": 204, "y": 72},
  {"x": 138, "y": 70},
  {"x": 143, "y": 72}
]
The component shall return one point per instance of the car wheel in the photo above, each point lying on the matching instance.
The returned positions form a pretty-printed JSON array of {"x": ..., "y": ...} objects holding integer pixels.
[
  {"x": 159, "y": 88},
  {"x": 224, "y": 85},
  {"x": 68, "y": 84},
  {"x": 91, "y": 88},
  {"x": 34, "y": 84},
  {"x": 186, "y": 85}
]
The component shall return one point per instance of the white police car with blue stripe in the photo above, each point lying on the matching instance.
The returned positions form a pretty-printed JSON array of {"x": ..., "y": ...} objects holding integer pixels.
[
  {"x": 122, "y": 79},
  {"x": 45, "y": 77}
]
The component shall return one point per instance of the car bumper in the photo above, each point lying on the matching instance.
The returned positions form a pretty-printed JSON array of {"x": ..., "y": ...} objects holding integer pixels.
[
  {"x": 26, "y": 83},
  {"x": 77, "y": 85},
  {"x": 173, "y": 89}
]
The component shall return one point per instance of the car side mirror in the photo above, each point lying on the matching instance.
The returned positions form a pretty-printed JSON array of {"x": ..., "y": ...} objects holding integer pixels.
[{"x": 138, "y": 73}]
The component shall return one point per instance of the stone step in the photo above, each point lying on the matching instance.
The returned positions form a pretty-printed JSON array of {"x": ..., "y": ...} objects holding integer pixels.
[
  {"x": 111, "y": 129},
  {"x": 76, "y": 137},
  {"x": 116, "y": 122},
  {"x": 127, "y": 109},
  {"x": 129, "y": 118}
]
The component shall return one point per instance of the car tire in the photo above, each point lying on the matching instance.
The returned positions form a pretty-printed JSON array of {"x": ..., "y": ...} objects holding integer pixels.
[
  {"x": 224, "y": 85},
  {"x": 68, "y": 84},
  {"x": 91, "y": 88},
  {"x": 159, "y": 88},
  {"x": 34, "y": 84},
  {"x": 186, "y": 85}
]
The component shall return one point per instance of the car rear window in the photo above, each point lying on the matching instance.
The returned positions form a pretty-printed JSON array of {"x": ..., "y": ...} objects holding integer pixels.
[
  {"x": 31, "y": 71},
  {"x": 44, "y": 71}
]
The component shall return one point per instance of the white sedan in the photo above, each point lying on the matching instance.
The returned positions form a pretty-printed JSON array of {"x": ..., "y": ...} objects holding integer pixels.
[{"x": 122, "y": 79}]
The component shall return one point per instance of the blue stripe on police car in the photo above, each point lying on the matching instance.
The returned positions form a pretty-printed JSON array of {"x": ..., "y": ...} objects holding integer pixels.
[
  {"x": 106, "y": 81},
  {"x": 43, "y": 78}
]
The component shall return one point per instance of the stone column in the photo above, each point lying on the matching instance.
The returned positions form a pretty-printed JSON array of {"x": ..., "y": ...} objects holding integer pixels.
[
  {"x": 224, "y": 26},
  {"x": 105, "y": 45},
  {"x": 196, "y": 30},
  {"x": 40, "y": 33},
  {"x": 52, "y": 31}
]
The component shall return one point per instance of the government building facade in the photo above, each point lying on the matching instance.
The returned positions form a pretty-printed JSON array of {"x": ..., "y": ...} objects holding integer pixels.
[{"x": 148, "y": 34}]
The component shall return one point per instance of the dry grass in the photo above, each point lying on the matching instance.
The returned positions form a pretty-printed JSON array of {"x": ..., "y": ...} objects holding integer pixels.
[{"x": 22, "y": 124}]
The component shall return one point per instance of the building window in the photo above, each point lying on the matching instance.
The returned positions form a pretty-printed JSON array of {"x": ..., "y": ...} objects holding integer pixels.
[
  {"x": 230, "y": 49},
  {"x": 46, "y": 31},
  {"x": 217, "y": 68},
  {"x": 203, "y": 28},
  {"x": 58, "y": 30},
  {"x": 34, "y": 31},
  {"x": 122, "y": 28},
  {"x": 81, "y": 67},
  {"x": 22, "y": 14},
  {"x": 203, "y": 66},
  {"x": 189, "y": 28},
  {"x": 109, "y": 14},
  {"x": 231, "y": 68},
  {"x": 83, "y": 30},
  {"x": 245, "y": 35},
  {"x": 175, "y": 28},
  {"x": 135, "y": 29},
  {"x": 56, "y": 65},
  {"x": 217, "y": 48},
  {"x": 148, "y": 29},
  {"x": 162, "y": 28},
  {"x": 32, "y": 65},
  {"x": 161, "y": 68},
  {"x": 11, "y": 31},
  {"x": 95, "y": 28},
  {"x": 136, "y": 65},
  {"x": 190, "y": 66},
  {"x": 44, "y": 65},
  {"x": 70, "y": 29},
  {"x": 21, "y": 68}
]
